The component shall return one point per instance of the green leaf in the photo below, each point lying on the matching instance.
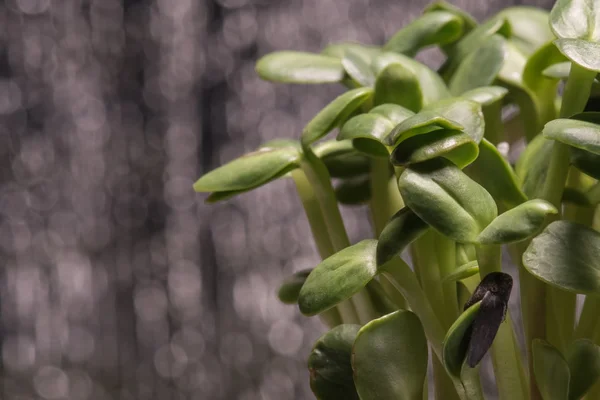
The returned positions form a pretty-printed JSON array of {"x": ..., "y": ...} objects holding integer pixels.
[
  {"x": 518, "y": 224},
  {"x": 334, "y": 114},
  {"x": 485, "y": 95},
  {"x": 367, "y": 132},
  {"x": 390, "y": 358},
  {"x": 455, "y": 114},
  {"x": 447, "y": 199},
  {"x": 551, "y": 371},
  {"x": 530, "y": 28},
  {"x": 480, "y": 67},
  {"x": 580, "y": 134},
  {"x": 330, "y": 364},
  {"x": 433, "y": 28},
  {"x": 504, "y": 187},
  {"x": 583, "y": 357},
  {"x": 455, "y": 146},
  {"x": 456, "y": 344},
  {"x": 396, "y": 84},
  {"x": 464, "y": 271},
  {"x": 576, "y": 19},
  {"x": 354, "y": 191},
  {"x": 577, "y": 25},
  {"x": 566, "y": 255},
  {"x": 290, "y": 288},
  {"x": 472, "y": 41},
  {"x": 576, "y": 197},
  {"x": 432, "y": 87},
  {"x": 342, "y": 159},
  {"x": 358, "y": 68},
  {"x": 533, "y": 165},
  {"x": 586, "y": 162},
  {"x": 400, "y": 231},
  {"x": 338, "y": 277},
  {"x": 339, "y": 50},
  {"x": 469, "y": 22},
  {"x": 558, "y": 71},
  {"x": 250, "y": 171},
  {"x": 300, "y": 67},
  {"x": 393, "y": 112},
  {"x": 581, "y": 52}
]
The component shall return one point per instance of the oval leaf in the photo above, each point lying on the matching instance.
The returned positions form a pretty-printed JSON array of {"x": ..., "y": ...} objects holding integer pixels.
[
  {"x": 480, "y": 67},
  {"x": 250, "y": 171},
  {"x": 447, "y": 199},
  {"x": 580, "y": 134},
  {"x": 354, "y": 191},
  {"x": 395, "y": 113},
  {"x": 396, "y": 84},
  {"x": 367, "y": 132},
  {"x": 334, "y": 114},
  {"x": 576, "y": 19},
  {"x": 504, "y": 187},
  {"x": 338, "y": 277},
  {"x": 358, "y": 68},
  {"x": 486, "y": 95},
  {"x": 586, "y": 162},
  {"x": 581, "y": 52},
  {"x": 300, "y": 67},
  {"x": 455, "y": 146},
  {"x": 551, "y": 371},
  {"x": 518, "y": 224},
  {"x": 390, "y": 358},
  {"x": 290, "y": 288},
  {"x": 435, "y": 27},
  {"x": 566, "y": 255},
  {"x": 456, "y": 343},
  {"x": 342, "y": 159},
  {"x": 583, "y": 358},
  {"x": 400, "y": 231},
  {"x": 330, "y": 364},
  {"x": 457, "y": 114}
]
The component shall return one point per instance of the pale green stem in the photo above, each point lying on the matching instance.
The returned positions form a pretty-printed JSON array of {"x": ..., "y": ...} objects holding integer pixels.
[
  {"x": 510, "y": 377},
  {"x": 331, "y": 317},
  {"x": 319, "y": 178},
  {"x": 446, "y": 253},
  {"x": 385, "y": 202},
  {"x": 492, "y": 115}
]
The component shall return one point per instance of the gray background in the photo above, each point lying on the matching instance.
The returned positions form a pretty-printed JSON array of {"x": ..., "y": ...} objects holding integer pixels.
[{"x": 118, "y": 282}]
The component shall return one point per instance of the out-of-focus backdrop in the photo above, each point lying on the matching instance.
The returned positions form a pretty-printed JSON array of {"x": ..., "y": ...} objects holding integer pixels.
[{"x": 117, "y": 281}]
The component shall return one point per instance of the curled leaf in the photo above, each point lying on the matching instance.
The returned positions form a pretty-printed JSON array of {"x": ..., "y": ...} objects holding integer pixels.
[
  {"x": 401, "y": 230},
  {"x": 580, "y": 134}
]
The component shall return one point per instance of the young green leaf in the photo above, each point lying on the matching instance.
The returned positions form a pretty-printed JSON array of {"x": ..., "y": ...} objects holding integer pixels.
[
  {"x": 576, "y": 24},
  {"x": 533, "y": 165},
  {"x": 457, "y": 114},
  {"x": 330, "y": 364},
  {"x": 456, "y": 343},
  {"x": 395, "y": 113},
  {"x": 558, "y": 71},
  {"x": 455, "y": 146},
  {"x": 250, "y": 171},
  {"x": 530, "y": 27},
  {"x": 354, "y": 191},
  {"x": 334, "y": 114},
  {"x": 586, "y": 162},
  {"x": 342, "y": 159},
  {"x": 290, "y": 288},
  {"x": 480, "y": 67},
  {"x": 583, "y": 358},
  {"x": 339, "y": 50},
  {"x": 566, "y": 255},
  {"x": 580, "y": 134},
  {"x": 338, "y": 277},
  {"x": 401, "y": 230},
  {"x": 390, "y": 358},
  {"x": 300, "y": 67},
  {"x": 358, "y": 68},
  {"x": 469, "y": 23},
  {"x": 551, "y": 371},
  {"x": 397, "y": 84},
  {"x": 433, "y": 28},
  {"x": 464, "y": 271},
  {"x": 447, "y": 199},
  {"x": 367, "y": 131},
  {"x": 504, "y": 187},
  {"x": 432, "y": 87},
  {"x": 517, "y": 224},
  {"x": 485, "y": 95}
]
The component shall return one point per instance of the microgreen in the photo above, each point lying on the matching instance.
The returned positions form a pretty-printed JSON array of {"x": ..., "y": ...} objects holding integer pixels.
[{"x": 421, "y": 148}]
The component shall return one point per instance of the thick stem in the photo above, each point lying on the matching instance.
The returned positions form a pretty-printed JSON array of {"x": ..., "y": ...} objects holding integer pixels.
[
  {"x": 446, "y": 253},
  {"x": 508, "y": 369},
  {"x": 319, "y": 178},
  {"x": 429, "y": 273}
]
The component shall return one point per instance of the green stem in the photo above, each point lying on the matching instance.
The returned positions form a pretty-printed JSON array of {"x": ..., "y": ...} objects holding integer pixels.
[
  {"x": 343, "y": 312},
  {"x": 429, "y": 273},
  {"x": 492, "y": 115},
  {"x": 446, "y": 253},
  {"x": 319, "y": 178},
  {"x": 508, "y": 369}
]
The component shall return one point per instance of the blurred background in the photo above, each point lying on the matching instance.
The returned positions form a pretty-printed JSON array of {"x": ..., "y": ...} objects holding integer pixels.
[{"x": 117, "y": 281}]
